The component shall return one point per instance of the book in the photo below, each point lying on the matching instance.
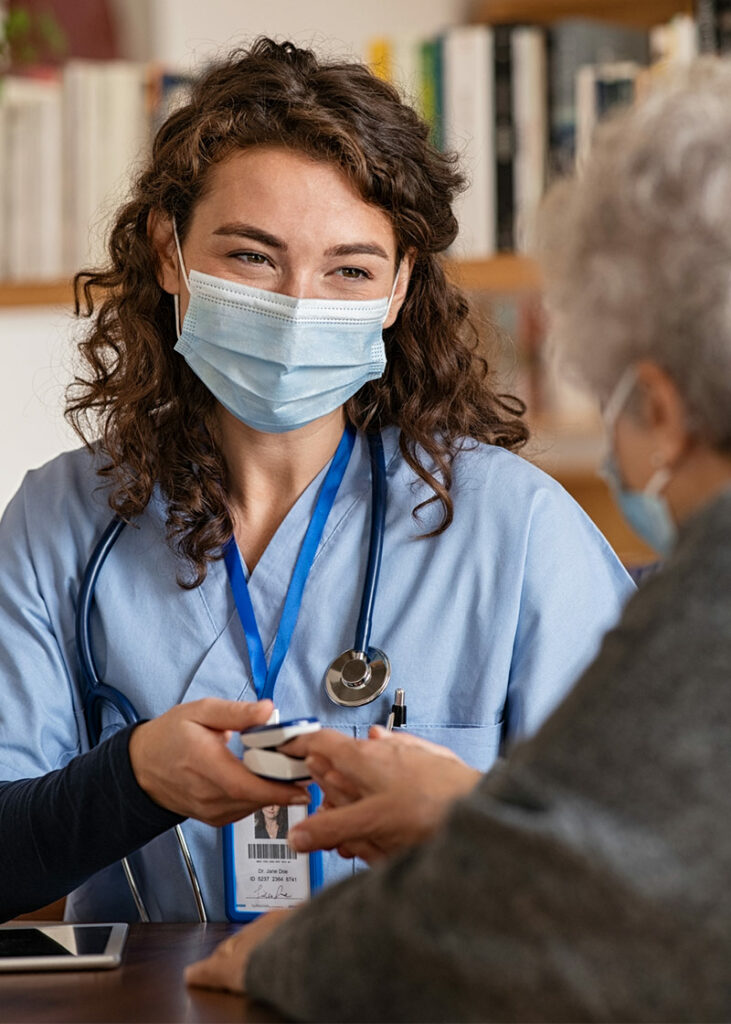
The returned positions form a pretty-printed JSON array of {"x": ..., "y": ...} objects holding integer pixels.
[
  {"x": 572, "y": 44},
  {"x": 505, "y": 142},
  {"x": 32, "y": 189},
  {"x": 600, "y": 90},
  {"x": 406, "y": 69},
  {"x": 714, "y": 26},
  {"x": 378, "y": 58},
  {"x": 469, "y": 128},
  {"x": 432, "y": 96},
  {"x": 530, "y": 127}
]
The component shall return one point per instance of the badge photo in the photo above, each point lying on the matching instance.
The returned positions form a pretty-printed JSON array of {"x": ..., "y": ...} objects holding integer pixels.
[{"x": 261, "y": 870}]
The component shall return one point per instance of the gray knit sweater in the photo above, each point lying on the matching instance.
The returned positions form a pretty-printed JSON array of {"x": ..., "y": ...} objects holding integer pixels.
[{"x": 588, "y": 877}]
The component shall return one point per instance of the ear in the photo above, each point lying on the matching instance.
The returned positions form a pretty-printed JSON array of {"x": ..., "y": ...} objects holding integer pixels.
[
  {"x": 162, "y": 239},
  {"x": 402, "y": 287},
  {"x": 663, "y": 412}
]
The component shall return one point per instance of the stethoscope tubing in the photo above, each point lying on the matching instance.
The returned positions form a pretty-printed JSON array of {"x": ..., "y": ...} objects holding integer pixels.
[
  {"x": 94, "y": 690},
  {"x": 375, "y": 546}
]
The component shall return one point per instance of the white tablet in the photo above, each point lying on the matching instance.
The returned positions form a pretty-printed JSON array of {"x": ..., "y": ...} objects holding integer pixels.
[{"x": 61, "y": 947}]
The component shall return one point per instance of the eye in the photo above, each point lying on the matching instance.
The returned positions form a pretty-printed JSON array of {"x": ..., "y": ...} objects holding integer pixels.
[
  {"x": 354, "y": 274},
  {"x": 253, "y": 259}
]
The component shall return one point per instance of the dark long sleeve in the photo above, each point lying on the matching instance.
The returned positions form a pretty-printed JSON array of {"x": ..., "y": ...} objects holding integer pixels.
[{"x": 57, "y": 830}]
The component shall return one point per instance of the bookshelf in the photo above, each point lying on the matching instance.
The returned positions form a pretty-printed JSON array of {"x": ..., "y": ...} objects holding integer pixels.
[
  {"x": 636, "y": 13},
  {"x": 30, "y": 293}
]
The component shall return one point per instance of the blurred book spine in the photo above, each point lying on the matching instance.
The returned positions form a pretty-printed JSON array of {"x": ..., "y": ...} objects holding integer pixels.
[
  {"x": 70, "y": 142},
  {"x": 714, "y": 26},
  {"x": 469, "y": 129}
]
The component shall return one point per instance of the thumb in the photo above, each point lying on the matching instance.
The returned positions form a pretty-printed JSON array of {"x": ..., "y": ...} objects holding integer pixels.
[{"x": 231, "y": 715}]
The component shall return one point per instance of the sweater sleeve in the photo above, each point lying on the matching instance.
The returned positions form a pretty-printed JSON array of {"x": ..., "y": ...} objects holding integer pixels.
[{"x": 61, "y": 828}]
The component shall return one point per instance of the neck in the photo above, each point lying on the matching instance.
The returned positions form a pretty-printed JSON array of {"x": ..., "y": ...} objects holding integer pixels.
[
  {"x": 268, "y": 472},
  {"x": 700, "y": 478}
]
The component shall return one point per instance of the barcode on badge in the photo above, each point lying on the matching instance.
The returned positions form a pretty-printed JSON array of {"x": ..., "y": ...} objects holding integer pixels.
[{"x": 271, "y": 851}]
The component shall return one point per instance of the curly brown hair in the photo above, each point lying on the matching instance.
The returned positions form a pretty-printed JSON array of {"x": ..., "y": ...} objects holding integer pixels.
[{"x": 142, "y": 404}]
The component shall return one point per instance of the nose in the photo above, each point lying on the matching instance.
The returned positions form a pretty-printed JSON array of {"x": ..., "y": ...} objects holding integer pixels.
[{"x": 296, "y": 282}]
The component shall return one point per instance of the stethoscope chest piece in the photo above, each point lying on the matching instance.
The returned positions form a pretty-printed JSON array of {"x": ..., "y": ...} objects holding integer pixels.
[{"x": 357, "y": 678}]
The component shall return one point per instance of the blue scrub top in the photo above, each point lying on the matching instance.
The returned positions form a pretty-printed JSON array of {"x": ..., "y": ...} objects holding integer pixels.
[{"x": 486, "y": 625}]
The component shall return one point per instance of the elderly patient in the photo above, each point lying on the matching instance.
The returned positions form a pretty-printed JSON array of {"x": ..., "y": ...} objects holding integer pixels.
[{"x": 588, "y": 877}]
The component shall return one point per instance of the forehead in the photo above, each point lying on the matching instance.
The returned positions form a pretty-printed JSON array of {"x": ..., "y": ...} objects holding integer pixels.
[{"x": 287, "y": 192}]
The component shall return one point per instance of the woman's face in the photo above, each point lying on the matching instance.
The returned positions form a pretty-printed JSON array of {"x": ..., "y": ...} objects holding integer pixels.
[
  {"x": 276, "y": 219},
  {"x": 270, "y": 812}
]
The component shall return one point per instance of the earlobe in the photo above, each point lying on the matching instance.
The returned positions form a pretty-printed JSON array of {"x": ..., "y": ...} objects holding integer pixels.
[{"x": 162, "y": 241}]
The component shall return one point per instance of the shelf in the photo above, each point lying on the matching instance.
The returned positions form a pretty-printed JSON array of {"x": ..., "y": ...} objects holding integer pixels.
[
  {"x": 639, "y": 13},
  {"x": 42, "y": 293},
  {"x": 503, "y": 273}
]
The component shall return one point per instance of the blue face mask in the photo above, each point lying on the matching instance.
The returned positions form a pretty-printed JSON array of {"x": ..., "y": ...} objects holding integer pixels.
[
  {"x": 277, "y": 362},
  {"x": 646, "y": 511}
]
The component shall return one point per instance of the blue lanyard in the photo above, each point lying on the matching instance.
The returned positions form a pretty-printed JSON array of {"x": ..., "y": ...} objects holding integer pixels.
[{"x": 265, "y": 678}]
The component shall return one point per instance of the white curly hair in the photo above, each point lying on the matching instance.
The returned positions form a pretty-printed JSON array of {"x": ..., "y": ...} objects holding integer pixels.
[{"x": 636, "y": 252}]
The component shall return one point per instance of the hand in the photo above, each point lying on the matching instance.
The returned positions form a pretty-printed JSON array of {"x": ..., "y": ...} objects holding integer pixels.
[
  {"x": 182, "y": 762},
  {"x": 384, "y": 793},
  {"x": 226, "y": 966}
]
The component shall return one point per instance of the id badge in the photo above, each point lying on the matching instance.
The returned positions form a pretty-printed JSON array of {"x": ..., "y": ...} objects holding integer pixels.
[{"x": 261, "y": 870}]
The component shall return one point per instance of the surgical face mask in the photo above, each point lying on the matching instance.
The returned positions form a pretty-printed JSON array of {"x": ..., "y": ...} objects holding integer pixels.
[
  {"x": 277, "y": 362},
  {"x": 646, "y": 511}
]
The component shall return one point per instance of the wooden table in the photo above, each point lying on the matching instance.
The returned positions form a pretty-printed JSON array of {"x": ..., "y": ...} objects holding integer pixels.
[{"x": 148, "y": 987}]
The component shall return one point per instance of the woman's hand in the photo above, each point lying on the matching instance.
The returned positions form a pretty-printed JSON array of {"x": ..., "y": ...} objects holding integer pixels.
[
  {"x": 182, "y": 762},
  {"x": 382, "y": 794},
  {"x": 226, "y": 966}
]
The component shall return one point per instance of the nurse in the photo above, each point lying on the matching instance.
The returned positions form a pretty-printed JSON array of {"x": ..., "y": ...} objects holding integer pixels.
[{"x": 274, "y": 295}]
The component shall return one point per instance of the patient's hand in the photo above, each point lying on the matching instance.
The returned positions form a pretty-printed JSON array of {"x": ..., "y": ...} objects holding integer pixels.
[
  {"x": 381, "y": 794},
  {"x": 226, "y": 966}
]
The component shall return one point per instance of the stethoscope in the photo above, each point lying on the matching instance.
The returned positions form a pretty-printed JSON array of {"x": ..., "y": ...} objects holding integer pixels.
[{"x": 357, "y": 677}]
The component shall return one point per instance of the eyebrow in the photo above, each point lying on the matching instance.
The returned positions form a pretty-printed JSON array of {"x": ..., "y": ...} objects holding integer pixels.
[
  {"x": 249, "y": 231},
  {"x": 346, "y": 249}
]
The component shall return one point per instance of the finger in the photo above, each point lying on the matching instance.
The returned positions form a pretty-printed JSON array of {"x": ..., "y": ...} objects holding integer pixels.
[
  {"x": 363, "y": 850},
  {"x": 311, "y": 742},
  {"x": 337, "y": 791},
  {"x": 377, "y": 732},
  {"x": 407, "y": 739},
  {"x": 318, "y": 766},
  {"x": 330, "y": 829},
  {"x": 298, "y": 747},
  {"x": 327, "y": 777},
  {"x": 330, "y": 744},
  {"x": 216, "y": 971},
  {"x": 235, "y": 715},
  {"x": 345, "y": 753}
]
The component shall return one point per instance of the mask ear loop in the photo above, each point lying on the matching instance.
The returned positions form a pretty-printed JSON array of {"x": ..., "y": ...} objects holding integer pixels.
[
  {"x": 393, "y": 289},
  {"x": 658, "y": 481},
  {"x": 176, "y": 297},
  {"x": 617, "y": 401}
]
